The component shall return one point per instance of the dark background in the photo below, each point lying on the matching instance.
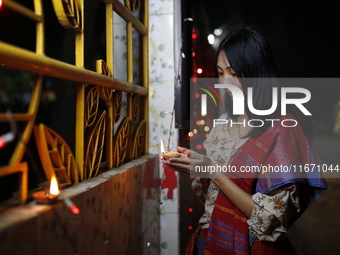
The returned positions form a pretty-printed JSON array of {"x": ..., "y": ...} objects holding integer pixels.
[
  {"x": 305, "y": 39},
  {"x": 304, "y": 34}
]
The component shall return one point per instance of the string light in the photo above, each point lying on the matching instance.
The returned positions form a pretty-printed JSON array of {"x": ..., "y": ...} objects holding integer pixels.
[
  {"x": 211, "y": 39},
  {"x": 73, "y": 208},
  {"x": 218, "y": 31},
  {"x": 6, "y": 138},
  {"x": 9, "y": 136},
  {"x": 193, "y": 35}
]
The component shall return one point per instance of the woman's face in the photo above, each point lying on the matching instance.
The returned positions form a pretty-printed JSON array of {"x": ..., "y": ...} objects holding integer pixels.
[{"x": 225, "y": 73}]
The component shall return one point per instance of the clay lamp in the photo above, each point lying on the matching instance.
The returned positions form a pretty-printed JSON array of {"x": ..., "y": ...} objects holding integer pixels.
[
  {"x": 50, "y": 197},
  {"x": 168, "y": 154}
]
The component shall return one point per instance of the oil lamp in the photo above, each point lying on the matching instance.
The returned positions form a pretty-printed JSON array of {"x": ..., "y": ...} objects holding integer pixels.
[
  {"x": 50, "y": 197},
  {"x": 168, "y": 154}
]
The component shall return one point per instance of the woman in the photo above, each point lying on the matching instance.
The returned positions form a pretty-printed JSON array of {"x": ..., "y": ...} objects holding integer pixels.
[{"x": 250, "y": 213}]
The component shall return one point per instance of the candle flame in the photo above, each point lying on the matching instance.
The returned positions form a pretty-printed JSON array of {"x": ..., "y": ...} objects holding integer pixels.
[
  {"x": 162, "y": 146},
  {"x": 54, "y": 190}
]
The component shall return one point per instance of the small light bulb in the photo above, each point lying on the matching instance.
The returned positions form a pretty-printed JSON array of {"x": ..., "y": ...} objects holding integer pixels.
[
  {"x": 6, "y": 138},
  {"x": 211, "y": 39}
]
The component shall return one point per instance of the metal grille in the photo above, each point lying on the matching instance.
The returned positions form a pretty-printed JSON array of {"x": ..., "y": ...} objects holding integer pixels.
[{"x": 95, "y": 132}]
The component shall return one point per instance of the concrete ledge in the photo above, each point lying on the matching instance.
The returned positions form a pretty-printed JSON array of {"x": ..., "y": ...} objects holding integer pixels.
[{"x": 119, "y": 215}]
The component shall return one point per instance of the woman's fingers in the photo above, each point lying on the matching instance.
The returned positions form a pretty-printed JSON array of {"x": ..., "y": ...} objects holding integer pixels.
[
  {"x": 181, "y": 160},
  {"x": 184, "y": 150},
  {"x": 178, "y": 167},
  {"x": 187, "y": 161},
  {"x": 190, "y": 153}
]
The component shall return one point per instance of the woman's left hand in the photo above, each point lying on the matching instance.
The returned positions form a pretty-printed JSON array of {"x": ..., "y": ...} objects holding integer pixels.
[{"x": 188, "y": 161}]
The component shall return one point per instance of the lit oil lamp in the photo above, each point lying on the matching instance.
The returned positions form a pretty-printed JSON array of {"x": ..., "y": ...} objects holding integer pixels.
[
  {"x": 168, "y": 154},
  {"x": 50, "y": 197}
]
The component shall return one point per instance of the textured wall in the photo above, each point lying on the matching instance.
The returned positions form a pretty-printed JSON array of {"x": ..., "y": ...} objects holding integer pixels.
[
  {"x": 119, "y": 215},
  {"x": 161, "y": 95},
  {"x": 162, "y": 73}
]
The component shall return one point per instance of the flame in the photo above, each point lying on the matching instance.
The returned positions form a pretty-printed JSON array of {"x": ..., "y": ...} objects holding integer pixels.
[
  {"x": 162, "y": 146},
  {"x": 54, "y": 190},
  {"x": 0, "y": 4}
]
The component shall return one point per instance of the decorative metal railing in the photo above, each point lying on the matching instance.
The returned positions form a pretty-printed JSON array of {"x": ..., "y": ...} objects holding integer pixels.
[{"x": 95, "y": 129}]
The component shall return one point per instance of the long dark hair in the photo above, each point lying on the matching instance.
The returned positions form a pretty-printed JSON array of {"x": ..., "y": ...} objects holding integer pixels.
[{"x": 250, "y": 56}]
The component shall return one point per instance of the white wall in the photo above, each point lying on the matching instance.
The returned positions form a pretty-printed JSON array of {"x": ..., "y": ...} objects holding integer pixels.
[{"x": 162, "y": 73}]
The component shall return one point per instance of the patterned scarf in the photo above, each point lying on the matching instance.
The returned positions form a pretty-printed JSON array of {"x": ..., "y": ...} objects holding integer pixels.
[{"x": 283, "y": 147}]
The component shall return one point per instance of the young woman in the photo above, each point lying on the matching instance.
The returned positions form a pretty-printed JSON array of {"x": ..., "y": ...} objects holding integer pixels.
[{"x": 250, "y": 213}]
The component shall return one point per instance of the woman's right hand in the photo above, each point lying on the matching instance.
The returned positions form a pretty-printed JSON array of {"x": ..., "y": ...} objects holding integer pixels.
[
  {"x": 188, "y": 160},
  {"x": 180, "y": 165}
]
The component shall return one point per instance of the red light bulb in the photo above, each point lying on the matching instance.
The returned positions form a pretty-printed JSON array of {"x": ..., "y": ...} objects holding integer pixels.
[
  {"x": 2, "y": 141},
  {"x": 74, "y": 209}
]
